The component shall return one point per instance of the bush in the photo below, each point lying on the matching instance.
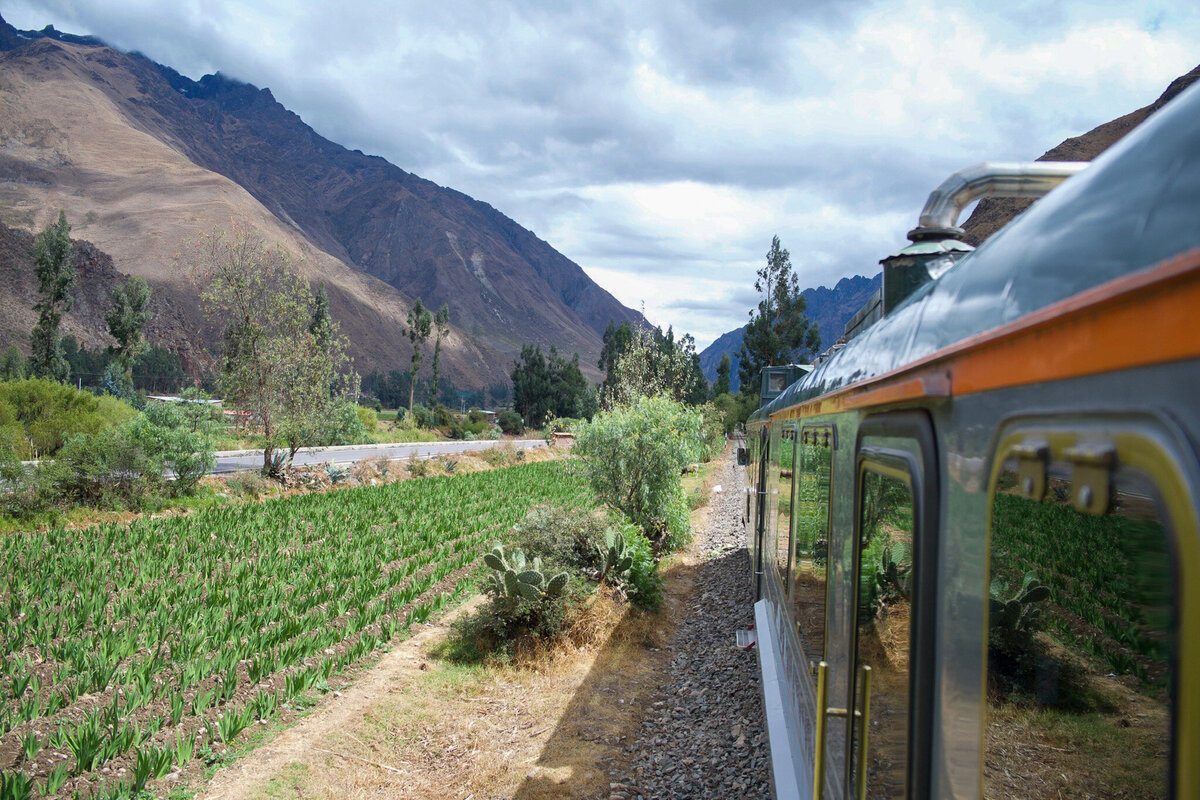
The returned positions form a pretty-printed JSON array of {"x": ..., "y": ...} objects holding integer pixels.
[
  {"x": 49, "y": 412},
  {"x": 247, "y": 484},
  {"x": 633, "y": 457},
  {"x": 564, "y": 538},
  {"x": 475, "y": 425},
  {"x": 345, "y": 425},
  {"x": 510, "y": 422},
  {"x": 505, "y": 630},
  {"x": 181, "y": 437},
  {"x": 369, "y": 418},
  {"x": 422, "y": 416},
  {"x": 125, "y": 464}
]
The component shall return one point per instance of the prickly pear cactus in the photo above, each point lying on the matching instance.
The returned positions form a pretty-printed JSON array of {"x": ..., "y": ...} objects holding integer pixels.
[{"x": 514, "y": 578}]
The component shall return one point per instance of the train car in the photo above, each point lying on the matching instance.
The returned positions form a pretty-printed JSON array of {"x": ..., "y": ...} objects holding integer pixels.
[{"x": 973, "y": 528}]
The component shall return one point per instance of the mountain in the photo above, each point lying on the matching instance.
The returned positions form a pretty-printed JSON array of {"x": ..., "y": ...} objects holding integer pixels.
[
  {"x": 142, "y": 159},
  {"x": 993, "y": 214},
  {"x": 830, "y": 309}
]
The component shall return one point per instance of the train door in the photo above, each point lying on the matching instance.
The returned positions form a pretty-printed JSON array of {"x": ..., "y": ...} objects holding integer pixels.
[
  {"x": 1093, "y": 629},
  {"x": 878, "y": 744}
]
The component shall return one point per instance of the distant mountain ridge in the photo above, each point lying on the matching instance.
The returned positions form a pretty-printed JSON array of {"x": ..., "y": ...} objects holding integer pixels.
[
  {"x": 142, "y": 157},
  {"x": 830, "y": 309}
]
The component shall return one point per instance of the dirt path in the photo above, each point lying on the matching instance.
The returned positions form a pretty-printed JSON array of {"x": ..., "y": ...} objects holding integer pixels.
[
  {"x": 396, "y": 669},
  {"x": 418, "y": 726}
]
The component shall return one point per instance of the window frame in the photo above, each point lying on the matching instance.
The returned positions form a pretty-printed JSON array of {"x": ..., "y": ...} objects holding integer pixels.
[
  {"x": 918, "y": 467},
  {"x": 1158, "y": 451}
]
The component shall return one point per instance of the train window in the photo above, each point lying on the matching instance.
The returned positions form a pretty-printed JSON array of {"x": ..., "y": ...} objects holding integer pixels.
[
  {"x": 884, "y": 625},
  {"x": 784, "y": 503},
  {"x": 810, "y": 520},
  {"x": 1080, "y": 641}
]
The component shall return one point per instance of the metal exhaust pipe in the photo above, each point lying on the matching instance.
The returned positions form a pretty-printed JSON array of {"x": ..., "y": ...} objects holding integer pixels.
[{"x": 939, "y": 218}]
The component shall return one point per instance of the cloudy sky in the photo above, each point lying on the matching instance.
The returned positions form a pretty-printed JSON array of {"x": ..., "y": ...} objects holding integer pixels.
[{"x": 661, "y": 144}]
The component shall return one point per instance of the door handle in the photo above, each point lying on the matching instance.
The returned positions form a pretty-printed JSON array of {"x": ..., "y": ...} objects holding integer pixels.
[{"x": 862, "y": 715}]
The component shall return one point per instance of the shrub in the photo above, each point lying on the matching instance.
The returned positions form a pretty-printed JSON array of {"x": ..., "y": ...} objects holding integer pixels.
[
  {"x": 510, "y": 422},
  {"x": 247, "y": 484},
  {"x": 181, "y": 436},
  {"x": 345, "y": 425},
  {"x": 369, "y": 418},
  {"x": 563, "y": 537},
  {"x": 475, "y": 425},
  {"x": 633, "y": 457},
  {"x": 126, "y": 464},
  {"x": 422, "y": 416},
  {"x": 503, "y": 455},
  {"x": 49, "y": 412}
]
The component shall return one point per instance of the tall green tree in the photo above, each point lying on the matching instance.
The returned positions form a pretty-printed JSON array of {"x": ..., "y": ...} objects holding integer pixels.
[
  {"x": 56, "y": 280},
  {"x": 545, "y": 384},
  {"x": 321, "y": 321},
  {"x": 420, "y": 323},
  {"x": 273, "y": 364},
  {"x": 126, "y": 320},
  {"x": 646, "y": 362},
  {"x": 441, "y": 325},
  {"x": 778, "y": 331},
  {"x": 12, "y": 364},
  {"x": 721, "y": 384}
]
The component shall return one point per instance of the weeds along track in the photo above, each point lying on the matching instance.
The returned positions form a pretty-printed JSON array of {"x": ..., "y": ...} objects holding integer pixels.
[{"x": 130, "y": 649}]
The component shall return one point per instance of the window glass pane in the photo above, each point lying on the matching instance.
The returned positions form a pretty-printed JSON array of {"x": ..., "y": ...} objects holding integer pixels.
[
  {"x": 884, "y": 625},
  {"x": 783, "y": 522},
  {"x": 810, "y": 501},
  {"x": 1079, "y": 646}
]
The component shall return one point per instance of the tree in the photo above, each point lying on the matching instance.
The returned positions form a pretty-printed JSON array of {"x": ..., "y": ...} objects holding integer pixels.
[
  {"x": 441, "y": 323},
  {"x": 778, "y": 331},
  {"x": 721, "y": 385},
  {"x": 273, "y": 364},
  {"x": 616, "y": 340},
  {"x": 549, "y": 384},
  {"x": 126, "y": 320},
  {"x": 420, "y": 321},
  {"x": 12, "y": 364},
  {"x": 321, "y": 321},
  {"x": 647, "y": 363},
  {"x": 56, "y": 279}
]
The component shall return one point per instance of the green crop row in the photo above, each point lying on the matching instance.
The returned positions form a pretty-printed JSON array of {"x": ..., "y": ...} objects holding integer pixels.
[{"x": 133, "y": 643}]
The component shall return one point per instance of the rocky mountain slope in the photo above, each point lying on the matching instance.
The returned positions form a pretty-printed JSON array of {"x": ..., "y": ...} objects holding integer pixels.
[
  {"x": 142, "y": 159},
  {"x": 830, "y": 309}
]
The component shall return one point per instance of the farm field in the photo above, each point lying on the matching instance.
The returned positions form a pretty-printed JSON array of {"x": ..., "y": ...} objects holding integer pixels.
[{"x": 129, "y": 650}]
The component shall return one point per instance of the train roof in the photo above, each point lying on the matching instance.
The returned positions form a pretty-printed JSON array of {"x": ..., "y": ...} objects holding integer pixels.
[{"x": 1136, "y": 205}]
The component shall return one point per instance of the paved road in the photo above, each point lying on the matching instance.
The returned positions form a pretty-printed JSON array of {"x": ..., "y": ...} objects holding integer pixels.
[{"x": 242, "y": 460}]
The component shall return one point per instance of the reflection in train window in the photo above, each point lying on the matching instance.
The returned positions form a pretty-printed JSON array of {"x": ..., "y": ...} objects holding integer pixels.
[
  {"x": 810, "y": 499},
  {"x": 884, "y": 626},
  {"x": 1079, "y": 645},
  {"x": 783, "y": 522}
]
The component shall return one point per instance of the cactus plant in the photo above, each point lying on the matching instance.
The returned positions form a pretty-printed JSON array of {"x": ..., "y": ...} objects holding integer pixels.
[
  {"x": 518, "y": 579},
  {"x": 1017, "y": 613},
  {"x": 893, "y": 571},
  {"x": 615, "y": 556}
]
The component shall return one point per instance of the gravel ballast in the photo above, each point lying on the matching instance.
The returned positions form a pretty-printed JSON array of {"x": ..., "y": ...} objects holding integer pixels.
[{"x": 703, "y": 736}]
